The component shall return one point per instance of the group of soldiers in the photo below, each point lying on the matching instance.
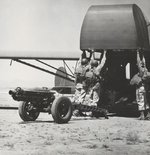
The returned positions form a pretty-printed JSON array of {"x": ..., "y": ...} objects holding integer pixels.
[
  {"x": 88, "y": 82},
  {"x": 88, "y": 79}
]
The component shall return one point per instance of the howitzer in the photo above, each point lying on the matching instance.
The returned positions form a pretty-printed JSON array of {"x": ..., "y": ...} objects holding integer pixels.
[{"x": 34, "y": 101}]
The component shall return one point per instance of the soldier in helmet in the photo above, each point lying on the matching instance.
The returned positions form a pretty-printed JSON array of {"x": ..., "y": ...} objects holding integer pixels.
[
  {"x": 142, "y": 82},
  {"x": 81, "y": 69},
  {"x": 80, "y": 85},
  {"x": 93, "y": 79}
]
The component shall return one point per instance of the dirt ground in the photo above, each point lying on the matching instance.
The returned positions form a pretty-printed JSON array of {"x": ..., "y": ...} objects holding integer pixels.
[{"x": 81, "y": 136}]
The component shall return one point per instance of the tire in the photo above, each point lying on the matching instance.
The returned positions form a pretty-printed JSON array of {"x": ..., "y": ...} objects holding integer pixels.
[
  {"x": 27, "y": 112},
  {"x": 61, "y": 110}
]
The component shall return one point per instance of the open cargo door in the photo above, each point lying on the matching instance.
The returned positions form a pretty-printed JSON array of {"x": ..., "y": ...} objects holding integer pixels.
[{"x": 121, "y": 30}]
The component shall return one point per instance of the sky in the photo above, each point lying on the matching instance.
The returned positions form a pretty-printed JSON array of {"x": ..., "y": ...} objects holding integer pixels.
[{"x": 40, "y": 26}]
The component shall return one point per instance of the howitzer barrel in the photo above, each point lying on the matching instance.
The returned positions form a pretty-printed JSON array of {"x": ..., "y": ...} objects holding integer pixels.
[
  {"x": 20, "y": 94},
  {"x": 11, "y": 92}
]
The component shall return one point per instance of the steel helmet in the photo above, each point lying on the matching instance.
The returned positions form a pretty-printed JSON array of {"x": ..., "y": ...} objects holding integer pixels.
[
  {"x": 94, "y": 63},
  {"x": 84, "y": 61}
]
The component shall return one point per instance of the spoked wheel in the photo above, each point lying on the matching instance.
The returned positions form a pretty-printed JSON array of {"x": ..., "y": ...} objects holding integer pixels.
[
  {"x": 61, "y": 110},
  {"x": 27, "y": 111}
]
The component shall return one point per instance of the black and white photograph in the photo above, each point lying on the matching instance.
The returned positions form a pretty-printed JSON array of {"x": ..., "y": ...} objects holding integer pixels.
[{"x": 74, "y": 77}]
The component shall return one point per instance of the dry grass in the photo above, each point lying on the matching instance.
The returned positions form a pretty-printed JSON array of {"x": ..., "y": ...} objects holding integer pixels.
[
  {"x": 10, "y": 145},
  {"x": 132, "y": 138},
  {"x": 105, "y": 146}
]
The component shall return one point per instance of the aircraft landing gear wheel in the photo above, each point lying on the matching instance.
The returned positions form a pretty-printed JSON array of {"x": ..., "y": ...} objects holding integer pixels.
[
  {"x": 61, "y": 110},
  {"x": 27, "y": 111}
]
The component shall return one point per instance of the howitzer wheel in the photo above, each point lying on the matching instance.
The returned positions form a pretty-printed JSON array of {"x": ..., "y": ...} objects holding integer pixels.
[
  {"x": 27, "y": 111},
  {"x": 61, "y": 110}
]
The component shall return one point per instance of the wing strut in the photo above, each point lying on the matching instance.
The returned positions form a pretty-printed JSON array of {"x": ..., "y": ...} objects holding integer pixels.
[
  {"x": 42, "y": 69},
  {"x": 68, "y": 67},
  {"x": 54, "y": 67}
]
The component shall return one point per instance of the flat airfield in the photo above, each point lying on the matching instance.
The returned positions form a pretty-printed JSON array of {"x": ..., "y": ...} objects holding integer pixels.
[{"x": 81, "y": 136}]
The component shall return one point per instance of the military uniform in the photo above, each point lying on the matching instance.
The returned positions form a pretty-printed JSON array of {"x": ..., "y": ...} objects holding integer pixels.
[
  {"x": 140, "y": 80},
  {"x": 93, "y": 79},
  {"x": 141, "y": 98},
  {"x": 93, "y": 86},
  {"x": 80, "y": 72}
]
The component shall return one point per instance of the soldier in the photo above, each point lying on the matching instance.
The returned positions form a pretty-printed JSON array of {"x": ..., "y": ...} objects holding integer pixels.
[
  {"x": 82, "y": 68},
  {"x": 140, "y": 80},
  {"x": 81, "y": 89},
  {"x": 93, "y": 79}
]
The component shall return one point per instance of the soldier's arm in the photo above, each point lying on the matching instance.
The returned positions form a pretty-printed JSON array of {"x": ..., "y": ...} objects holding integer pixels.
[
  {"x": 138, "y": 60},
  {"x": 141, "y": 63},
  {"x": 78, "y": 65},
  {"x": 100, "y": 66},
  {"x": 89, "y": 58},
  {"x": 79, "y": 61},
  {"x": 83, "y": 55},
  {"x": 144, "y": 62}
]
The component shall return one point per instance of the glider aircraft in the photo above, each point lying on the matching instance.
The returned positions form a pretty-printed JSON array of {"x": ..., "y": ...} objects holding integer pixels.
[{"x": 121, "y": 30}]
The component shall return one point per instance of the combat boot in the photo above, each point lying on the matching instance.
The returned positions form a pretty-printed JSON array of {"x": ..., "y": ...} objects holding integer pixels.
[
  {"x": 148, "y": 115},
  {"x": 141, "y": 115}
]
